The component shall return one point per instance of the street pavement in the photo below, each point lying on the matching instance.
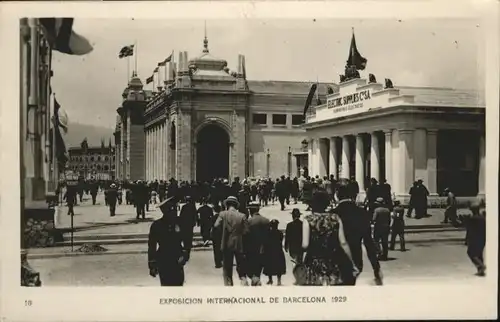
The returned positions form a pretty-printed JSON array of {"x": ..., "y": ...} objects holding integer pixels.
[
  {"x": 95, "y": 220},
  {"x": 423, "y": 263}
]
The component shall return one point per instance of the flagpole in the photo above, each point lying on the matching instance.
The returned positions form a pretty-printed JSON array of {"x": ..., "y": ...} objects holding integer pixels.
[
  {"x": 135, "y": 57},
  {"x": 128, "y": 69}
]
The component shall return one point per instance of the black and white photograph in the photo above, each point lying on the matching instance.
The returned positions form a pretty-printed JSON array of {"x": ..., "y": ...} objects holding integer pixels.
[{"x": 261, "y": 153}]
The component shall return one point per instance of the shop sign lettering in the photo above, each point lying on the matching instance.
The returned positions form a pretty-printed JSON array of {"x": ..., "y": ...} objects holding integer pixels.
[{"x": 349, "y": 102}]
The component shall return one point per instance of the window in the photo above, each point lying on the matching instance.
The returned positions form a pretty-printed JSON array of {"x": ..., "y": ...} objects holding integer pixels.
[
  {"x": 106, "y": 168},
  {"x": 279, "y": 119},
  {"x": 106, "y": 159},
  {"x": 297, "y": 119},
  {"x": 259, "y": 119},
  {"x": 99, "y": 158}
]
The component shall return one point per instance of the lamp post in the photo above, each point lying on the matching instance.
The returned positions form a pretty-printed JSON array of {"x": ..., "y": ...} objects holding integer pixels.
[
  {"x": 268, "y": 162},
  {"x": 289, "y": 161}
]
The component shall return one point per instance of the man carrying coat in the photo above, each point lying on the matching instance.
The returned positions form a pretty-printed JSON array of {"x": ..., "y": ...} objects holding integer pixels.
[{"x": 234, "y": 227}]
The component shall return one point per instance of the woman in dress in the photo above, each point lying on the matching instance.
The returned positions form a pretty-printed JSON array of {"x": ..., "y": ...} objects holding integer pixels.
[
  {"x": 328, "y": 259},
  {"x": 275, "y": 264}
]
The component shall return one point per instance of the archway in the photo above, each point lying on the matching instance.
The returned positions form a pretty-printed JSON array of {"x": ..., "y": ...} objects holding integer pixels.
[{"x": 212, "y": 153}]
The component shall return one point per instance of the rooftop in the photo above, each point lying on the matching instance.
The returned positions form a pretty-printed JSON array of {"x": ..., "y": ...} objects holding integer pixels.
[
  {"x": 287, "y": 87},
  {"x": 443, "y": 96}
]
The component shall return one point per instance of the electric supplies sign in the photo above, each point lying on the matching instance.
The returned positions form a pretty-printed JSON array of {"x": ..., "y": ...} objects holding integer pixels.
[{"x": 349, "y": 102}]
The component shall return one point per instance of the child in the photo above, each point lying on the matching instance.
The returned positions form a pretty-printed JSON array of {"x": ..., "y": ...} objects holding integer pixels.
[{"x": 275, "y": 264}]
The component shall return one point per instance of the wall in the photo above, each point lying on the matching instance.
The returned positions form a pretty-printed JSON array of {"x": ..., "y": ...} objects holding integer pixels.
[
  {"x": 137, "y": 152},
  {"x": 277, "y": 142}
]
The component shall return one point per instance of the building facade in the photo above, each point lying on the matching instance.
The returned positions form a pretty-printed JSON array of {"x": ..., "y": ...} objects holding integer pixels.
[
  {"x": 94, "y": 162},
  {"x": 401, "y": 135},
  {"x": 207, "y": 121}
]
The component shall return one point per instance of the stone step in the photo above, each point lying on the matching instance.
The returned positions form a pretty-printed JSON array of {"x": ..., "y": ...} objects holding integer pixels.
[
  {"x": 143, "y": 239},
  {"x": 408, "y": 230}
]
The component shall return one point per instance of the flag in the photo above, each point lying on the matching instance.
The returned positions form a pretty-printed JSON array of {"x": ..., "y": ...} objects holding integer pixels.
[
  {"x": 149, "y": 79},
  {"x": 61, "y": 37},
  {"x": 126, "y": 51},
  {"x": 355, "y": 58},
  {"x": 310, "y": 98},
  {"x": 163, "y": 63},
  {"x": 318, "y": 100},
  {"x": 60, "y": 146},
  {"x": 156, "y": 70}
]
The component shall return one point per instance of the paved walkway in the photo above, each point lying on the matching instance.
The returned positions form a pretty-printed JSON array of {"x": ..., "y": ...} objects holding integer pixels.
[{"x": 94, "y": 219}]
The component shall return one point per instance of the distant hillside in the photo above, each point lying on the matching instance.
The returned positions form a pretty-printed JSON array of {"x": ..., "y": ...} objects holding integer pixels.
[{"x": 77, "y": 132}]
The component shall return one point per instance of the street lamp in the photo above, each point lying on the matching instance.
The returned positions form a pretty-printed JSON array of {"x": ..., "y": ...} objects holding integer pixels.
[{"x": 289, "y": 161}]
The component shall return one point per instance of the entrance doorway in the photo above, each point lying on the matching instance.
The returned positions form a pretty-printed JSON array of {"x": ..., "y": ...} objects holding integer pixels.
[{"x": 212, "y": 153}]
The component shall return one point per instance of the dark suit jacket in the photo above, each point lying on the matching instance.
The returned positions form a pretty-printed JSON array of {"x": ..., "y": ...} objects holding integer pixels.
[
  {"x": 258, "y": 229},
  {"x": 293, "y": 236},
  {"x": 234, "y": 228}
]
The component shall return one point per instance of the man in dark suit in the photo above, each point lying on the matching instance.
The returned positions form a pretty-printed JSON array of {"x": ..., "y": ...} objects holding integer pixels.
[
  {"x": 234, "y": 227},
  {"x": 357, "y": 229},
  {"x": 258, "y": 228},
  {"x": 293, "y": 237},
  {"x": 168, "y": 247}
]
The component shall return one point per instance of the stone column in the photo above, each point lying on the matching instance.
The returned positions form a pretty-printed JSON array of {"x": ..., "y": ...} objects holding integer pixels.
[
  {"x": 375, "y": 157},
  {"x": 406, "y": 160},
  {"x": 162, "y": 149},
  {"x": 431, "y": 164},
  {"x": 155, "y": 147},
  {"x": 122, "y": 149},
  {"x": 333, "y": 157},
  {"x": 322, "y": 157},
  {"x": 388, "y": 157},
  {"x": 360, "y": 163},
  {"x": 482, "y": 167},
  {"x": 396, "y": 174},
  {"x": 420, "y": 154},
  {"x": 167, "y": 150},
  {"x": 147, "y": 153},
  {"x": 346, "y": 156},
  {"x": 129, "y": 125}
]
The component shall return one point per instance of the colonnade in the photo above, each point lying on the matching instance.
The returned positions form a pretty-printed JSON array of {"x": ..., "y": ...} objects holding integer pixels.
[
  {"x": 157, "y": 152},
  {"x": 409, "y": 155}
]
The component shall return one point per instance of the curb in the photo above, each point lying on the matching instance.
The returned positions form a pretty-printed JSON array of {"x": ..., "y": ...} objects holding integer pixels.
[{"x": 204, "y": 249}]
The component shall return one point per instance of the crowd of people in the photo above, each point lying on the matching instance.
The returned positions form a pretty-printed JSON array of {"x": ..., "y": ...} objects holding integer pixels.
[{"x": 325, "y": 245}]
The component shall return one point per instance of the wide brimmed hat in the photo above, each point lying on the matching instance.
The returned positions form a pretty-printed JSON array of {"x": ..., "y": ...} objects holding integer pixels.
[
  {"x": 274, "y": 222},
  {"x": 232, "y": 199},
  {"x": 296, "y": 211},
  {"x": 113, "y": 185},
  {"x": 379, "y": 200},
  {"x": 167, "y": 205}
]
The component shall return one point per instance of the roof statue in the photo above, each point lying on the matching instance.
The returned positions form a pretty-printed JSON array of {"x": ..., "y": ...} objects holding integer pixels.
[
  {"x": 354, "y": 62},
  {"x": 372, "y": 79},
  {"x": 388, "y": 83}
]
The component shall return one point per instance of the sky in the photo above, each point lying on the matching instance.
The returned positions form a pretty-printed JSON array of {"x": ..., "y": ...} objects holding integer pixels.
[{"x": 420, "y": 52}]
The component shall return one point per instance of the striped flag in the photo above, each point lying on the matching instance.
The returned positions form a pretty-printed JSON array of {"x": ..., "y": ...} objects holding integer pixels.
[
  {"x": 61, "y": 37},
  {"x": 163, "y": 63},
  {"x": 126, "y": 51},
  {"x": 149, "y": 79},
  {"x": 156, "y": 70},
  {"x": 309, "y": 99}
]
